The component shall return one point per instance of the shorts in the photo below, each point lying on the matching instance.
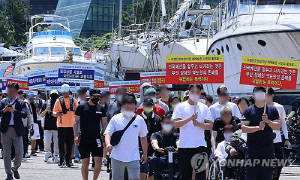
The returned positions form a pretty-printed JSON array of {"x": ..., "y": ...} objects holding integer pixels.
[
  {"x": 36, "y": 132},
  {"x": 90, "y": 146},
  {"x": 118, "y": 169}
]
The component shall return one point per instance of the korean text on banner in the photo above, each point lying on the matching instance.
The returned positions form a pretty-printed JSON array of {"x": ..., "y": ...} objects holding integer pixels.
[
  {"x": 133, "y": 86},
  {"x": 195, "y": 69},
  {"x": 21, "y": 81},
  {"x": 153, "y": 77},
  {"x": 269, "y": 72},
  {"x": 37, "y": 80},
  {"x": 76, "y": 73},
  {"x": 52, "y": 82},
  {"x": 99, "y": 82}
]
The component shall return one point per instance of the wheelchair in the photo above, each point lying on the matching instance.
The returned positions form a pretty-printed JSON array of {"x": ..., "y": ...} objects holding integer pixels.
[
  {"x": 170, "y": 174},
  {"x": 220, "y": 171}
]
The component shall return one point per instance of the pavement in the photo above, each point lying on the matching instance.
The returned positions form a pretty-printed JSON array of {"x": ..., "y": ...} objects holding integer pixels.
[{"x": 36, "y": 169}]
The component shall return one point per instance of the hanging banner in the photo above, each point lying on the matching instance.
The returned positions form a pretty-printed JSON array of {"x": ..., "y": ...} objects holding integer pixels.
[
  {"x": 21, "y": 81},
  {"x": 37, "y": 80},
  {"x": 52, "y": 82},
  {"x": 269, "y": 72},
  {"x": 153, "y": 77},
  {"x": 195, "y": 69},
  {"x": 99, "y": 82},
  {"x": 133, "y": 86},
  {"x": 76, "y": 73}
]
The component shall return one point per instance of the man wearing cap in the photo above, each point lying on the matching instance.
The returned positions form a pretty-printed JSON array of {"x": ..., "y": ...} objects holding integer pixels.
[
  {"x": 90, "y": 115},
  {"x": 50, "y": 126},
  {"x": 64, "y": 110},
  {"x": 152, "y": 121},
  {"x": 143, "y": 89},
  {"x": 259, "y": 126},
  {"x": 115, "y": 105},
  {"x": 150, "y": 93},
  {"x": 215, "y": 109}
]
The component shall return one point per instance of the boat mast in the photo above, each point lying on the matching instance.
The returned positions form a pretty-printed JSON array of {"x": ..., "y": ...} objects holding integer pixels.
[{"x": 120, "y": 19}]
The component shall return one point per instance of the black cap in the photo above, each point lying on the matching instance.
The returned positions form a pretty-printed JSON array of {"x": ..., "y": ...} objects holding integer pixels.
[
  {"x": 271, "y": 91},
  {"x": 222, "y": 90},
  {"x": 20, "y": 92},
  {"x": 95, "y": 92},
  {"x": 148, "y": 102},
  {"x": 105, "y": 94},
  {"x": 259, "y": 89}
]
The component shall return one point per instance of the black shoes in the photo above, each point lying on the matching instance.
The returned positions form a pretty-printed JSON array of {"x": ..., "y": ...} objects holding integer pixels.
[
  {"x": 9, "y": 177},
  {"x": 69, "y": 165},
  {"x": 16, "y": 174}
]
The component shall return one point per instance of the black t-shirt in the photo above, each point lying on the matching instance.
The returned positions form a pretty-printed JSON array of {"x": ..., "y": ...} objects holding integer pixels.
[
  {"x": 165, "y": 140},
  {"x": 34, "y": 114},
  {"x": 219, "y": 125},
  {"x": 90, "y": 118},
  {"x": 50, "y": 121},
  {"x": 263, "y": 138}
]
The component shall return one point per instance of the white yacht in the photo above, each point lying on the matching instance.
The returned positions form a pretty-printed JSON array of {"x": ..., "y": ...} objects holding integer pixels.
[
  {"x": 261, "y": 28},
  {"x": 8, "y": 55},
  {"x": 47, "y": 49}
]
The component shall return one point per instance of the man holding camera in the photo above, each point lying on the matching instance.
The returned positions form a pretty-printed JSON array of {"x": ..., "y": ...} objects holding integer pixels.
[
  {"x": 12, "y": 110},
  {"x": 64, "y": 110}
]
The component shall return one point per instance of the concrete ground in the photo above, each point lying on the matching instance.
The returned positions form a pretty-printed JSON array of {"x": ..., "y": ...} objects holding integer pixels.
[{"x": 36, "y": 169}]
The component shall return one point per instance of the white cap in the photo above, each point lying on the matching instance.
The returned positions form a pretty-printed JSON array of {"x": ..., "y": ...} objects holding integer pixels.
[
  {"x": 54, "y": 91},
  {"x": 65, "y": 88}
]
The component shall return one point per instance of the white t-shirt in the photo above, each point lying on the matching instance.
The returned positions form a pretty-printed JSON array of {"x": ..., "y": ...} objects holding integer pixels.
[
  {"x": 220, "y": 151},
  {"x": 128, "y": 148},
  {"x": 282, "y": 116},
  {"x": 216, "y": 108},
  {"x": 190, "y": 135}
]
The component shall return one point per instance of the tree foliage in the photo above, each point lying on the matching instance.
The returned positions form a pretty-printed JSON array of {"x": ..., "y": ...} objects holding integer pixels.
[
  {"x": 94, "y": 42},
  {"x": 14, "y": 22}
]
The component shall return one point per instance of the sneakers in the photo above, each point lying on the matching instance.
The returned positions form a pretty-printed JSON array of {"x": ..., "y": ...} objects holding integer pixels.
[
  {"x": 33, "y": 154},
  {"x": 104, "y": 161},
  {"x": 61, "y": 163},
  {"x": 69, "y": 165},
  {"x": 13, "y": 160},
  {"x": 24, "y": 159},
  {"x": 27, "y": 155},
  {"x": 16, "y": 174},
  {"x": 9, "y": 177},
  {"x": 46, "y": 157},
  {"x": 77, "y": 160},
  {"x": 56, "y": 159}
]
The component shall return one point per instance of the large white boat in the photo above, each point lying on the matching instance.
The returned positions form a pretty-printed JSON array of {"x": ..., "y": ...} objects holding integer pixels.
[
  {"x": 47, "y": 49},
  {"x": 8, "y": 55}
]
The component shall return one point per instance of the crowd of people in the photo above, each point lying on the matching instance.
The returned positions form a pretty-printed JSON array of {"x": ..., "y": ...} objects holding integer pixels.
[{"x": 135, "y": 132}]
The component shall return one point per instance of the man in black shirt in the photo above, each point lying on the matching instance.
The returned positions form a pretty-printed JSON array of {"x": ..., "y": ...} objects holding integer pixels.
[
  {"x": 89, "y": 115},
  {"x": 50, "y": 126},
  {"x": 152, "y": 121},
  {"x": 160, "y": 140},
  {"x": 259, "y": 126}
]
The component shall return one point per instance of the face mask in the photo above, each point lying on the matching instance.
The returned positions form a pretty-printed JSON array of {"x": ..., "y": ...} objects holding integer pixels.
[
  {"x": 167, "y": 127},
  {"x": 193, "y": 97},
  {"x": 202, "y": 101},
  {"x": 227, "y": 136},
  {"x": 53, "y": 96},
  {"x": 119, "y": 98},
  {"x": 148, "y": 109},
  {"x": 259, "y": 95},
  {"x": 94, "y": 100},
  {"x": 173, "y": 106},
  {"x": 128, "y": 114},
  {"x": 154, "y": 99}
]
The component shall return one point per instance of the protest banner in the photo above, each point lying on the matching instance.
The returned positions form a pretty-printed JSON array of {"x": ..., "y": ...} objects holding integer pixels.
[
  {"x": 36, "y": 80},
  {"x": 153, "y": 77},
  {"x": 52, "y": 82},
  {"x": 75, "y": 73},
  {"x": 194, "y": 69},
  {"x": 99, "y": 82},
  {"x": 269, "y": 72},
  {"x": 133, "y": 86},
  {"x": 21, "y": 81}
]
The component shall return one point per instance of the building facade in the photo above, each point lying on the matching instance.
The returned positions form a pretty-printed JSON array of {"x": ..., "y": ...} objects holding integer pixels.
[{"x": 91, "y": 17}]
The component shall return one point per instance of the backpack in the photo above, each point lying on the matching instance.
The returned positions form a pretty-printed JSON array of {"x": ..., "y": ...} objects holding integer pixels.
[{"x": 63, "y": 105}]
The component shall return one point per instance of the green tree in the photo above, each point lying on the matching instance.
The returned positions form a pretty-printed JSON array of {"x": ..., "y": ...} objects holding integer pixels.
[
  {"x": 15, "y": 18},
  {"x": 94, "y": 42}
]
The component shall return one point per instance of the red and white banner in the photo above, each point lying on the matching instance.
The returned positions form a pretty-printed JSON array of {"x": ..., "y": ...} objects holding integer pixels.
[
  {"x": 21, "y": 81},
  {"x": 195, "y": 69},
  {"x": 133, "y": 86},
  {"x": 269, "y": 72},
  {"x": 99, "y": 82},
  {"x": 153, "y": 77}
]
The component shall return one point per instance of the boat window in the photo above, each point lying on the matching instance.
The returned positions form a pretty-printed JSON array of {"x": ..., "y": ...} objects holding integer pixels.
[
  {"x": 58, "y": 51},
  {"x": 41, "y": 51},
  {"x": 76, "y": 51}
]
